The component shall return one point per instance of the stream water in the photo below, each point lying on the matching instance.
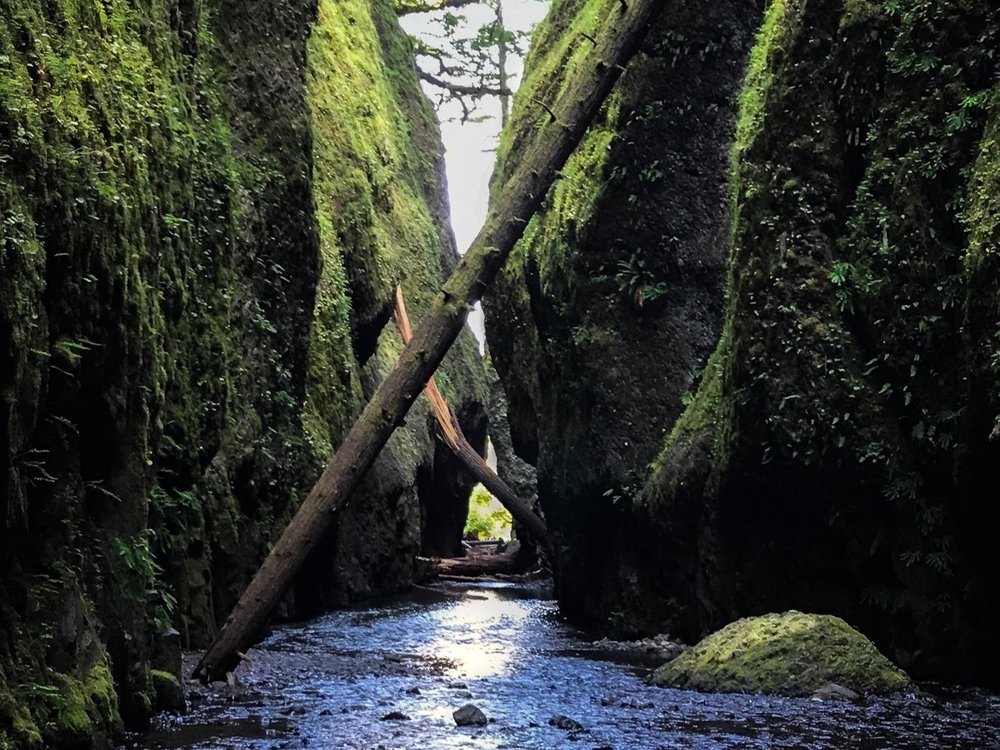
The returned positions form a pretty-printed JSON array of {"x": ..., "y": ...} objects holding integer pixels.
[{"x": 330, "y": 682}]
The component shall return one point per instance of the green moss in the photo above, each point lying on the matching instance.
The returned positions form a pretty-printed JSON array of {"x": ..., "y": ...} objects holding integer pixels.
[
  {"x": 700, "y": 427},
  {"x": 67, "y": 721},
  {"x": 861, "y": 316},
  {"x": 982, "y": 216},
  {"x": 68, "y": 710},
  {"x": 159, "y": 675},
  {"x": 982, "y": 260},
  {"x": 759, "y": 77},
  {"x": 17, "y": 727},
  {"x": 556, "y": 51},
  {"x": 374, "y": 149},
  {"x": 99, "y": 689},
  {"x": 785, "y": 654}
]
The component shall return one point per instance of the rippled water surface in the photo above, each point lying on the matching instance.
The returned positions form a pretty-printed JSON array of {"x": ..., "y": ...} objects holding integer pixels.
[{"x": 328, "y": 683}]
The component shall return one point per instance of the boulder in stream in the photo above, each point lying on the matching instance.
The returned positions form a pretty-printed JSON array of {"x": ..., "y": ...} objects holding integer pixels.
[
  {"x": 783, "y": 654},
  {"x": 469, "y": 715}
]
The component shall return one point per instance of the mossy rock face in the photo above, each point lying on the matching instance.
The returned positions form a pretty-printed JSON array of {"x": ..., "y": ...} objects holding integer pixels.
[
  {"x": 203, "y": 210},
  {"x": 616, "y": 287},
  {"x": 783, "y": 654}
]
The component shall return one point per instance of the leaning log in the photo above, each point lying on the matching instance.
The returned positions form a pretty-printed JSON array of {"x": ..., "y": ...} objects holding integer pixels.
[
  {"x": 520, "y": 198},
  {"x": 452, "y": 436}
]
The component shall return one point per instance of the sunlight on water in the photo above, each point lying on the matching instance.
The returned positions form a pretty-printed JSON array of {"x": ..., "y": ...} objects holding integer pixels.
[{"x": 478, "y": 636}]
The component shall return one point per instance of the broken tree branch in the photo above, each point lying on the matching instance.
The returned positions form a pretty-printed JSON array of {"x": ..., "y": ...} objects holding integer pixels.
[
  {"x": 461, "y": 89},
  {"x": 517, "y": 202},
  {"x": 452, "y": 436}
]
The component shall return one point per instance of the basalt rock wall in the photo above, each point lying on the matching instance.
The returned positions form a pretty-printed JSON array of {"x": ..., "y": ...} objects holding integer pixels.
[
  {"x": 836, "y": 452},
  {"x": 205, "y": 207},
  {"x": 613, "y": 301}
]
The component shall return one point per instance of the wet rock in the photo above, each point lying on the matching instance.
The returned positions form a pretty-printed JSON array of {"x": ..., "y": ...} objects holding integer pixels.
[
  {"x": 167, "y": 652},
  {"x": 326, "y": 712},
  {"x": 457, "y": 686},
  {"x": 395, "y": 716},
  {"x": 469, "y": 715},
  {"x": 626, "y": 703},
  {"x": 834, "y": 692},
  {"x": 564, "y": 722},
  {"x": 783, "y": 654},
  {"x": 413, "y": 691},
  {"x": 169, "y": 693},
  {"x": 636, "y": 705},
  {"x": 661, "y": 647}
]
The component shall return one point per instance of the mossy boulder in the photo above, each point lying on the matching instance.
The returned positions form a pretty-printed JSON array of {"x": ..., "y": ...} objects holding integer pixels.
[
  {"x": 169, "y": 691},
  {"x": 783, "y": 654}
]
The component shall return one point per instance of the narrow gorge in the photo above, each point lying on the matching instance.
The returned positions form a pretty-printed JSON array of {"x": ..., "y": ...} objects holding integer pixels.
[{"x": 744, "y": 361}]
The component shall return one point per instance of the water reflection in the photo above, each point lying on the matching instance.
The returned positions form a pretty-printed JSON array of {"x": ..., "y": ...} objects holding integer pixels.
[{"x": 479, "y": 637}]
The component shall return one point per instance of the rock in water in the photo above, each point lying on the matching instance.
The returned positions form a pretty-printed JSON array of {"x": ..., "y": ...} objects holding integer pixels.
[
  {"x": 834, "y": 692},
  {"x": 168, "y": 690},
  {"x": 395, "y": 716},
  {"x": 783, "y": 654},
  {"x": 470, "y": 716},
  {"x": 564, "y": 722}
]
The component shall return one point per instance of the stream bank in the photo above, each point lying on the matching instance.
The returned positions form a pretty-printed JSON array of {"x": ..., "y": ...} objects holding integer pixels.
[{"x": 331, "y": 682}]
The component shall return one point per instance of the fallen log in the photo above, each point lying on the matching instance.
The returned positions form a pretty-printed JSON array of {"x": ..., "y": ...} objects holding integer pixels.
[
  {"x": 452, "y": 436},
  {"x": 518, "y": 201},
  {"x": 471, "y": 567}
]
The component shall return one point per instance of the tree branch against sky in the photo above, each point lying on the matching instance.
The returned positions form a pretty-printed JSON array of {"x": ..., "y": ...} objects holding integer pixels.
[
  {"x": 404, "y": 7},
  {"x": 467, "y": 60}
]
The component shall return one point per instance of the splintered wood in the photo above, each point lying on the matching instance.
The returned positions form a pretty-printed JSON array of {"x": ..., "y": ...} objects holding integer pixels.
[{"x": 451, "y": 434}]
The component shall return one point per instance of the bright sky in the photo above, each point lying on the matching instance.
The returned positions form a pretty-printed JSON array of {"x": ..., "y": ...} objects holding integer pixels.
[{"x": 469, "y": 147}]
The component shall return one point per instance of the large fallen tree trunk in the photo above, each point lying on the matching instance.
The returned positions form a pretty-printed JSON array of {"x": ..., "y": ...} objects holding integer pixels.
[
  {"x": 470, "y": 567},
  {"x": 518, "y": 201},
  {"x": 452, "y": 436}
]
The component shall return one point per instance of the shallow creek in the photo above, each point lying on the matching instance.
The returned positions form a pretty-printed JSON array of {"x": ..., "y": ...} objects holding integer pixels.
[{"x": 329, "y": 682}]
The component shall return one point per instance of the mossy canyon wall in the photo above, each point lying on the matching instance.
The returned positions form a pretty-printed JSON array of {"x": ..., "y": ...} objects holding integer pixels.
[
  {"x": 206, "y": 205},
  {"x": 753, "y": 346}
]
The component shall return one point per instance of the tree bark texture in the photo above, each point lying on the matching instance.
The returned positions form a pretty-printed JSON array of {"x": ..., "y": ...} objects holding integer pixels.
[{"x": 517, "y": 202}]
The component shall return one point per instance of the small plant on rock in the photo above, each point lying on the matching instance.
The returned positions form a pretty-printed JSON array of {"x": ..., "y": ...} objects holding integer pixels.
[{"x": 637, "y": 282}]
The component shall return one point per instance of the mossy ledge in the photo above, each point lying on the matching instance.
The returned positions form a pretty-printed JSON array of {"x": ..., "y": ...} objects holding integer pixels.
[{"x": 783, "y": 654}]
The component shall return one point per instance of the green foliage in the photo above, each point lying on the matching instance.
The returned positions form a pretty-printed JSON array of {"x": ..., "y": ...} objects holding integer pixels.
[
  {"x": 142, "y": 580},
  {"x": 72, "y": 351},
  {"x": 487, "y": 519},
  {"x": 637, "y": 282}
]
